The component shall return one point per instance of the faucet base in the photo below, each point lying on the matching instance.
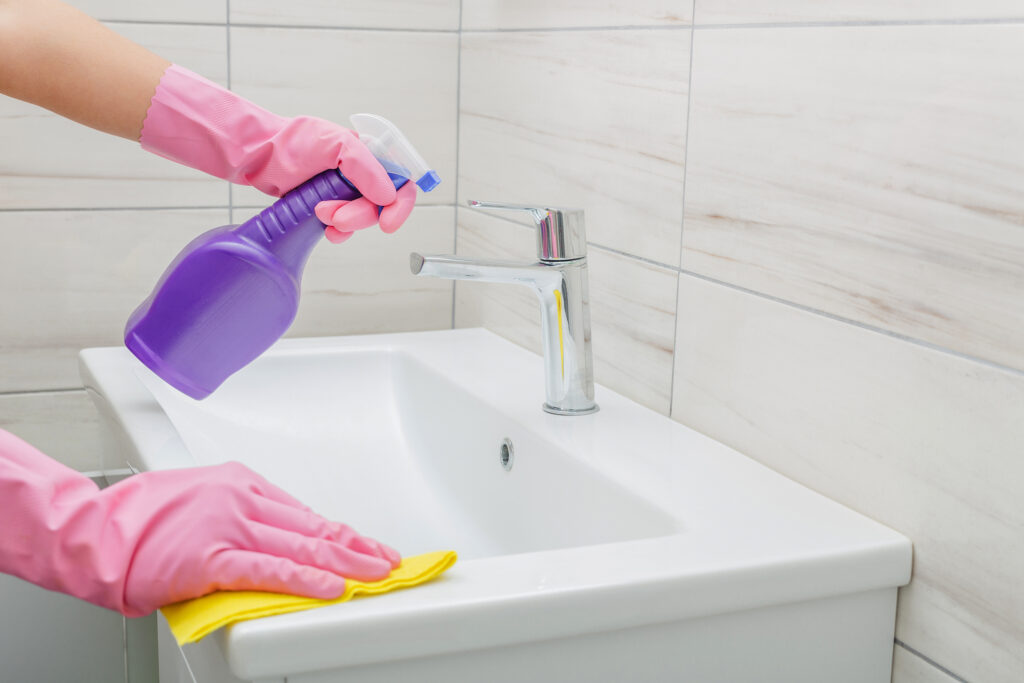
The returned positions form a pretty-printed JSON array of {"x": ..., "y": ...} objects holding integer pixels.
[{"x": 563, "y": 411}]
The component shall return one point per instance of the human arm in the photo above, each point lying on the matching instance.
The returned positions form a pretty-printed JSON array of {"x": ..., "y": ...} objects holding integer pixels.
[
  {"x": 56, "y": 57},
  {"x": 198, "y": 123},
  {"x": 160, "y": 537}
]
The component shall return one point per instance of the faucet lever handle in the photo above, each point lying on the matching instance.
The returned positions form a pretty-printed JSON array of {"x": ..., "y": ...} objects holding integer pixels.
[{"x": 561, "y": 235}]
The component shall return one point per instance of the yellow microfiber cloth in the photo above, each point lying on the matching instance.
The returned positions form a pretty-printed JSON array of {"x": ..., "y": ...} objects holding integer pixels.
[{"x": 191, "y": 620}]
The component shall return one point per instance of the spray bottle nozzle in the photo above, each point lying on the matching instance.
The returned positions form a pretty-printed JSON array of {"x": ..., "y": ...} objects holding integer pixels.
[{"x": 386, "y": 142}]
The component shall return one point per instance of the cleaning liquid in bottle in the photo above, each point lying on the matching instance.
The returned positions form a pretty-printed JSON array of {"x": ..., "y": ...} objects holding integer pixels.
[{"x": 233, "y": 291}]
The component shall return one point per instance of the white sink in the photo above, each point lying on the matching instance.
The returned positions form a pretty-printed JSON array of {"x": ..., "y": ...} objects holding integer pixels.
[{"x": 619, "y": 546}]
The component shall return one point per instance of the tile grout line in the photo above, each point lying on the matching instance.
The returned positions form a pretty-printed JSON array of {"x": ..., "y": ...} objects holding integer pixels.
[
  {"x": 682, "y": 216},
  {"x": 321, "y": 27},
  {"x": 158, "y": 22},
  {"x": 863, "y": 326},
  {"x": 792, "y": 304},
  {"x": 766, "y": 25},
  {"x": 637, "y": 27},
  {"x": 557, "y": 29},
  {"x": 932, "y": 662},
  {"x": 124, "y": 619},
  {"x": 227, "y": 52},
  {"x": 867, "y": 22},
  {"x": 458, "y": 135},
  {"x": 372, "y": 29},
  {"x": 116, "y": 208},
  {"x": 227, "y": 39},
  {"x": 33, "y": 392},
  {"x": 419, "y": 205}
]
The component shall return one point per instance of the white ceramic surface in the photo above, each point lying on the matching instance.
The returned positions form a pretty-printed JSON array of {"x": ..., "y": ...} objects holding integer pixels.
[{"x": 619, "y": 520}]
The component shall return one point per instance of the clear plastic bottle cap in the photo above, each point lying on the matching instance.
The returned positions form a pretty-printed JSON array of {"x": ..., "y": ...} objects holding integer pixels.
[{"x": 394, "y": 150}]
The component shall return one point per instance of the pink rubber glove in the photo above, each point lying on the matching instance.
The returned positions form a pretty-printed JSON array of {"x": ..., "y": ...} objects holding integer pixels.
[
  {"x": 160, "y": 537},
  {"x": 344, "y": 218},
  {"x": 197, "y": 123}
]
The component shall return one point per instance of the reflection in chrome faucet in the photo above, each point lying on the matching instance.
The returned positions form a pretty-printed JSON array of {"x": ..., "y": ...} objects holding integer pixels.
[{"x": 560, "y": 281}]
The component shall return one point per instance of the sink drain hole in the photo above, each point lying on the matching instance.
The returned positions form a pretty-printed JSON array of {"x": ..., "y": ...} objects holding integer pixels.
[{"x": 506, "y": 453}]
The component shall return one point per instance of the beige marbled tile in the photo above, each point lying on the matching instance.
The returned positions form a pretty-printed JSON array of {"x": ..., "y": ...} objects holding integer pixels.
[
  {"x": 591, "y": 119},
  {"x": 924, "y": 441},
  {"x": 50, "y": 162},
  {"x": 511, "y": 311},
  {"x": 195, "y": 11},
  {"x": 759, "y": 12},
  {"x": 62, "y": 424},
  {"x": 871, "y": 172},
  {"x": 72, "y": 282},
  {"x": 909, "y": 668},
  {"x": 632, "y": 305},
  {"x": 407, "y": 77},
  {"x": 499, "y": 14},
  {"x": 71, "y": 278},
  {"x": 388, "y": 14},
  {"x": 364, "y": 285}
]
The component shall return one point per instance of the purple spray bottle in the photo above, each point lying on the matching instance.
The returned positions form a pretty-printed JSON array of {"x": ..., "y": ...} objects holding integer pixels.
[{"x": 233, "y": 291}]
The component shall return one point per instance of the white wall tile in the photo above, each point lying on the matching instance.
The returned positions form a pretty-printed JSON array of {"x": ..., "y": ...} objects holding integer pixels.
[
  {"x": 923, "y": 441},
  {"x": 907, "y": 667},
  {"x": 632, "y": 307},
  {"x": 50, "y": 162},
  {"x": 387, "y": 14},
  {"x": 511, "y": 311},
  {"x": 64, "y": 425},
  {"x": 71, "y": 279},
  {"x": 758, "y": 12},
  {"x": 200, "y": 48},
  {"x": 633, "y": 310},
  {"x": 364, "y": 285},
  {"x": 47, "y": 636},
  {"x": 80, "y": 274},
  {"x": 408, "y": 77},
  {"x": 592, "y": 119},
  {"x": 195, "y": 11},
  {"x": 871, "y": 172},
  {"x": 490, "y": 14}
]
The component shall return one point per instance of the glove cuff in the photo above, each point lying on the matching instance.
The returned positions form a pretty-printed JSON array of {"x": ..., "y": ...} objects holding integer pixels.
[
  {"x": 199, "y": 124},
  {"x": 50, "y": 527}
]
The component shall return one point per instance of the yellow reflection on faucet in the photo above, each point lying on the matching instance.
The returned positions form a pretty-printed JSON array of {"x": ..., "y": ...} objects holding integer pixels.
[{"x": 561, "y": 343}]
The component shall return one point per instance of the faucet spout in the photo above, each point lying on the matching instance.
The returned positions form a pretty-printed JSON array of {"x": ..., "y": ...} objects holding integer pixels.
[
  {"x": 537, "y": 275},
  {"x": 561, "y": 287}
]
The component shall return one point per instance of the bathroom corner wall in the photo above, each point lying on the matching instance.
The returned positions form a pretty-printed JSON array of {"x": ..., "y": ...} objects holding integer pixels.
[
  {"x": 806, "y": 233},
  {"x": 88, "y": 222}
]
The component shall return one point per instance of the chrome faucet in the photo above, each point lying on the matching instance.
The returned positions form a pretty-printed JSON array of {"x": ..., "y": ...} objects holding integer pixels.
[{"x": 560, "y": 280}]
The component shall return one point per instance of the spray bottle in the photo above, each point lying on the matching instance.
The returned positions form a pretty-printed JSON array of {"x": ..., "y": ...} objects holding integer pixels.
[{"x": 233, "y": 291}]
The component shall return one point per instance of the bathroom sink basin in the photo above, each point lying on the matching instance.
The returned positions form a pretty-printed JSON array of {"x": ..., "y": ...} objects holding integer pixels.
[{"x": 614, "y": 546}]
